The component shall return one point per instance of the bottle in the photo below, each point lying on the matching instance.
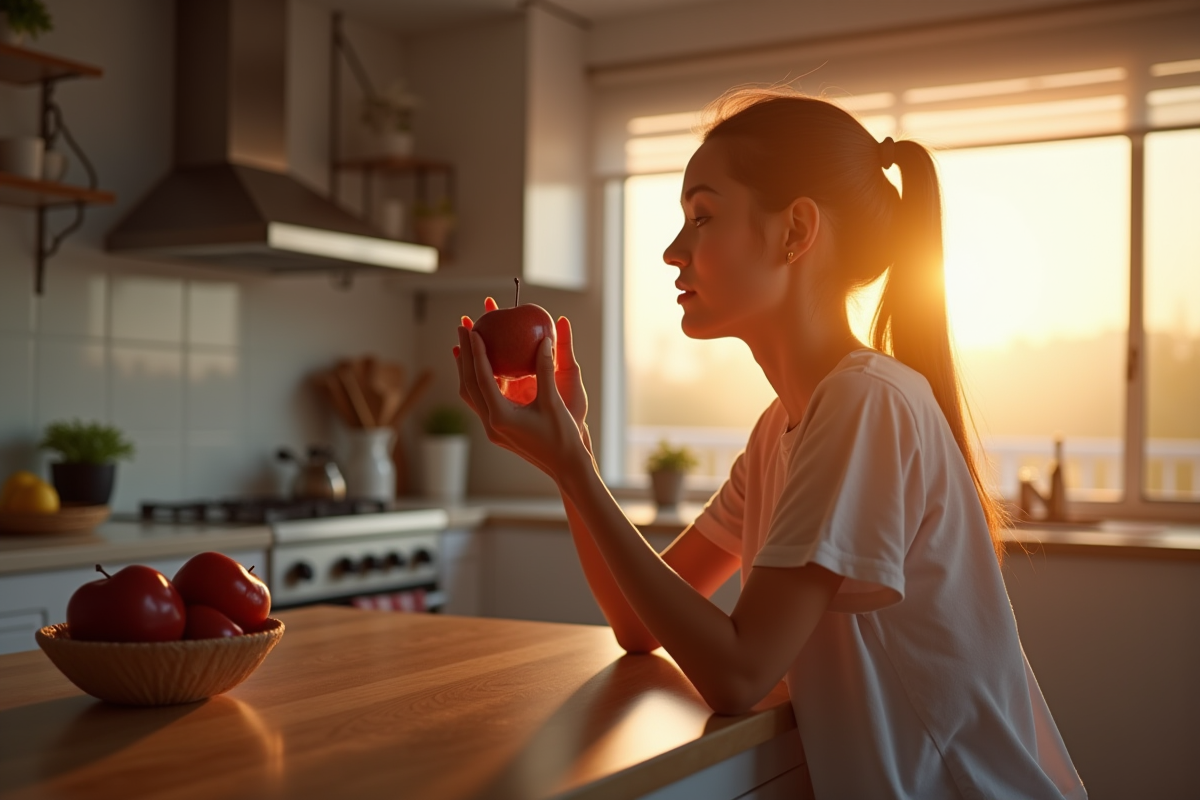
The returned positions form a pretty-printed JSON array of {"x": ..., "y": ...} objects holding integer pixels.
[{"x": 1058, "y": 491}]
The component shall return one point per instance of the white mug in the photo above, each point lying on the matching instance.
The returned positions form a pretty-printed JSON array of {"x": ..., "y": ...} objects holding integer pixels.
[{"x": 22, "y": 155}]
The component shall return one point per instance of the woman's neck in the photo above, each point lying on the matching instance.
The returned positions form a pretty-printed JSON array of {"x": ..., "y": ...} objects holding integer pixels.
[{"x": 799, "y": 345}]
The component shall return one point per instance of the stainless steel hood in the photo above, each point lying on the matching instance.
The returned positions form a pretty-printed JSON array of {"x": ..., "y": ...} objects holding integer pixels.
[{"x": 229, "y": 199}]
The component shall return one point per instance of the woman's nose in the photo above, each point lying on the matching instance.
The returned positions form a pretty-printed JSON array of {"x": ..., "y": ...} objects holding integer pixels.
[{"x": 675, "y": 254}]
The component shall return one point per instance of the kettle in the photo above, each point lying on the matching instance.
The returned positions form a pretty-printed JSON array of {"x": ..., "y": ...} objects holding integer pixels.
[{"x": 319, "y": 477}]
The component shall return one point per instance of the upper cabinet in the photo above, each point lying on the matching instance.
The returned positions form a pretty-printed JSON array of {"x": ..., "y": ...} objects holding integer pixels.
[{"x": 506, "y": 102}]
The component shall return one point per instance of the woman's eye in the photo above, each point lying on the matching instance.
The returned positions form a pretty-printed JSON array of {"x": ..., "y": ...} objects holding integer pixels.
[{"x": 697, "y": 221}]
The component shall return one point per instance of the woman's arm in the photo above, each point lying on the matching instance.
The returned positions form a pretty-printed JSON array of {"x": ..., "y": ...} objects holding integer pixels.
[
  {"x": 702, "y": 564},
  {"x": 733, "y": 661}
]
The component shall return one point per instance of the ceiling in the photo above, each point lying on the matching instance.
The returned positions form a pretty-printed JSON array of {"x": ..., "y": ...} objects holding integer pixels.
[{"x": 412, "y": 16}]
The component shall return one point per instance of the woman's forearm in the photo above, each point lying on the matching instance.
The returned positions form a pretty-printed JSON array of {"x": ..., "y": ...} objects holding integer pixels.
[
  {"x": 627, "y": 627},
  {"x": 699, "y": 636}
]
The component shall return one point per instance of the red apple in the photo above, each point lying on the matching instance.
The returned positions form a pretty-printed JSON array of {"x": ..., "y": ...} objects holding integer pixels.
[
  {"x": 208, "y": 623},
  {"x": 512, "y": 336},
  {"x": 137, "y": 604},
  {"x": 217, "y": 581}
]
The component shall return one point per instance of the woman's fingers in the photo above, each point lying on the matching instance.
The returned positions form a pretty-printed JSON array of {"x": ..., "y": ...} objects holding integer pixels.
[
  {"x": 492, "y": 400},
  {"x": 489, "y": 305},
  {"x": 466, "y": 322},
  {"x": 547, "y": 392},
  {"x": 564, "y": 348},
  {"x": 468, "y": 385}
]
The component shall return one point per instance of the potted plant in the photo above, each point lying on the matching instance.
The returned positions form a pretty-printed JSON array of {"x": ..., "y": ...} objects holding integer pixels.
[
  {"x": 88, "y": 452},
  {"x": 20, "y": 17},
  {"x": 667, "y": 465},
  {"x": 389, "y": 116},
  {"x": 433, "y": 224},
  {"x": 444, "y": 451}
]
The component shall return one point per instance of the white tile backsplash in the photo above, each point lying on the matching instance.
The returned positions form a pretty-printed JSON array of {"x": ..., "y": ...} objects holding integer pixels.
[
  {"x": 17, "y": 438},
  {"x": 72, "y": 380},
  {"x": 77, "y": 304},
  {"x": 216, "y": 465},
  {"x": 16, "y": 272},
  {"x": 148, "y": 309},
  {"x": 154, "y": 473},
  {"x": 214, "y": 313},
  {"x": 147, "y": 387},
  {"x": 215, "y": 389}
]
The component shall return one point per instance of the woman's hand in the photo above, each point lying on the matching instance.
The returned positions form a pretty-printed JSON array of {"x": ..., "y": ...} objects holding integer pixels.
[{"x": 540, "y": 417}]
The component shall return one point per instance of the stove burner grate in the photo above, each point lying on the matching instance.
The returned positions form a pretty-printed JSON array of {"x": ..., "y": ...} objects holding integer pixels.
[{"x": 256, "y": 510}]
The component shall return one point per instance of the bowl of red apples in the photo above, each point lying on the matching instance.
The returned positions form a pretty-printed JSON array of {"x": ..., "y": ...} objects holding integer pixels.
[{"x": 137, "y": 638}]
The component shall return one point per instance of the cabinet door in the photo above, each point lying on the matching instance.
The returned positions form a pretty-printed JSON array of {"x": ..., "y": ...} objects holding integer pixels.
[
  {"x": 30, "y": 600},
  {"x": 535, "y": 574}
]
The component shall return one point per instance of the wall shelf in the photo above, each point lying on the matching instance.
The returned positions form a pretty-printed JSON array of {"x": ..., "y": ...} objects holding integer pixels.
[
  {"x": 21, "y": 66},
  {"x": 22, "y": 192}
]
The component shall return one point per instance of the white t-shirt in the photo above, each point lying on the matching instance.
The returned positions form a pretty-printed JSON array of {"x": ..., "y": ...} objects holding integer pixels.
[{"x": 914, "y": 683}]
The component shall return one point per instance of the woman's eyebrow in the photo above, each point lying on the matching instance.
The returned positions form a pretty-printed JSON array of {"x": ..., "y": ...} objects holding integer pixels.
[{"x": 700, "y": 187}]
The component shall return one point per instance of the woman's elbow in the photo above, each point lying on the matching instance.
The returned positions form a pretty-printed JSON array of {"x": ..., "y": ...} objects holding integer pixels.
[
  {"x": 636, "y": 645},
  {"x": 731, "y": 698}
]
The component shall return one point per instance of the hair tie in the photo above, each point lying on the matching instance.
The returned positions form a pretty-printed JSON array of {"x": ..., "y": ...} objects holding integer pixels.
[{"x": 887, "y": 152}]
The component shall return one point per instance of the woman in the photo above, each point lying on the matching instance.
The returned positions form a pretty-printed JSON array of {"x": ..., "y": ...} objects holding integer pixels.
[{"x": 870, "y": 578}]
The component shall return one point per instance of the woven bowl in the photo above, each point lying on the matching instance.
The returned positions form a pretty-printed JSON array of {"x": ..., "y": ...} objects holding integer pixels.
[
  {"x": 67, "y": 520},
  {"x": 158, "y": 673}
]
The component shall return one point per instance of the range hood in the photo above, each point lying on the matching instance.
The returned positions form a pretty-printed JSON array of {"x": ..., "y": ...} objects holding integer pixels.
[{"x": 229, "y": 199}]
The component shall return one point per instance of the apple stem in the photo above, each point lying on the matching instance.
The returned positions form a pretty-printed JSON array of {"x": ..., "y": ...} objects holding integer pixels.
[
  {"x": 517, "y": 298},
  {"x": 100, "y": 569},
  {"x": 251, "y": 569}
]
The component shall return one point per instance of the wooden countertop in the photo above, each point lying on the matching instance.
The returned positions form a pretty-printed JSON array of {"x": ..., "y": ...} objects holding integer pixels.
[
  {"x": 365, "y": 704},
  {"x": 117, "y": 542}
]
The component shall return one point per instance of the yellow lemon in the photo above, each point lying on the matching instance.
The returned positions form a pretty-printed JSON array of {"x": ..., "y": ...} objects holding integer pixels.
[
  {"x": 38, "y": 497},
  {"x": 16, "y": 482}
]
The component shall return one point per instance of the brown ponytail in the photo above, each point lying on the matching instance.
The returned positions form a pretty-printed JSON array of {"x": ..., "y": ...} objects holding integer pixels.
[
  {"x": 792, "y": 145},
  {"x": 911, "y": 321}
]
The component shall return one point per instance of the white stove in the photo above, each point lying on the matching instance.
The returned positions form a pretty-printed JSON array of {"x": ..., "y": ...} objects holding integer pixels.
[{"x": 337, "y": 558}]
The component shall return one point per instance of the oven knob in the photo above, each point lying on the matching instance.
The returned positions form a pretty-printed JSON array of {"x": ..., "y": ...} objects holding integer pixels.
[
  {"x": 394, "y": 559},
  {"x": 343, "y": 566},
  {"x": 421, "y": 558},
  {"x": 369, "y": 563},
  {"x": 300, "y": 571}
]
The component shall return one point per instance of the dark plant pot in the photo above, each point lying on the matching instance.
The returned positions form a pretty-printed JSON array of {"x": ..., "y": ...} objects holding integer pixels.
[
  {"x": 668, "y": 488},
  {"x": 84, "y": 484}
]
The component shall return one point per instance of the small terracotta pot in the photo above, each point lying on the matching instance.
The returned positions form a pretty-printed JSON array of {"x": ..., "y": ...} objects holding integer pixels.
[{"x": 668, "y": 488}]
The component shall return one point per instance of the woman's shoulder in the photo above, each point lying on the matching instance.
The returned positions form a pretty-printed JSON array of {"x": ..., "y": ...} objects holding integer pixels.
[{"x": 868, "y": 371}]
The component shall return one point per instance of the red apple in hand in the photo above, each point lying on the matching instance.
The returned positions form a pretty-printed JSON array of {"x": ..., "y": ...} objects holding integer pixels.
[
  {"x": 512, "y": 336},
  {"x": 137, "y": 604},
  {"x": 217, "y": 581},
  {"x": 208, "y": 623}
]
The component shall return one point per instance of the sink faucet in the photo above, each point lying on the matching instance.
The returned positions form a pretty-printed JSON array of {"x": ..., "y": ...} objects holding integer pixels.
[{"x": 1055, "y": 501}]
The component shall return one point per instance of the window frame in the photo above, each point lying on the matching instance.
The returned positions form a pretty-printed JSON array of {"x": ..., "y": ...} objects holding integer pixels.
[{"x": 1134, "y": 502}]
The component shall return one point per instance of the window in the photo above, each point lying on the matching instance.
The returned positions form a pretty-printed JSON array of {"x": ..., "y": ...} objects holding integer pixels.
[{"x": 1072, "y": 258}]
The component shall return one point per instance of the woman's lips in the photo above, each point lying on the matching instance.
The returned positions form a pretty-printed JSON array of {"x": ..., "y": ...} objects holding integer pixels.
[{"x": 685, "y": 294}]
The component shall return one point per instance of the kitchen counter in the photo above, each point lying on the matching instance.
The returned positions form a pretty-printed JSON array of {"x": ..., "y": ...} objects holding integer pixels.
[
  {"x": 119, "y": 541},
  {"x": 368, "y": 704}
]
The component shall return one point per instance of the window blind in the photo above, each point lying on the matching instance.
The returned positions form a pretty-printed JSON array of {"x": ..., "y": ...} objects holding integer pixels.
[{"x": 1097, "y": 70}]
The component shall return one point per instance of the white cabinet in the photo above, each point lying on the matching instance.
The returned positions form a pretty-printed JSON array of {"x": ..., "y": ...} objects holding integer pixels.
[
  {"x": 506, "y": 102},
  {"x": 534, "y": 573},
  {"x": 31, "y": 600}
]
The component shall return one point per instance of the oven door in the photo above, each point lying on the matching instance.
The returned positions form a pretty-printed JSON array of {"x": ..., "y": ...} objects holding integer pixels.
[{"x": 395, "y": 573}]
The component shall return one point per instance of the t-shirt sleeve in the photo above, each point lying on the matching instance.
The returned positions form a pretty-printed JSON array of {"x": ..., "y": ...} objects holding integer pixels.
[
  {"x": 853, "y": 496},
  {"x": 722, "y": 517}
]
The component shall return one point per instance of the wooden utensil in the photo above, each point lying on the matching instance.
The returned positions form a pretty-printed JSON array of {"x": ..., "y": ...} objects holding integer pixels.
[
  {"x": 349, "y": 379},
  {"x": 335, "y": 395}
]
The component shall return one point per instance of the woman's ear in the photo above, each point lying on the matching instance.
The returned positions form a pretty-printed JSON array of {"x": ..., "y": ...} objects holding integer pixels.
[{"x": 803, "y": 224}]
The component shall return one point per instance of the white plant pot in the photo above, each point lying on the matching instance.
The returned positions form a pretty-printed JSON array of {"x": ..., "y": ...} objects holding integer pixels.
[
  {"x": 367, "y": 465},
  {"x": 22, "y": 155},
  {"x": 444, "y": 467}
]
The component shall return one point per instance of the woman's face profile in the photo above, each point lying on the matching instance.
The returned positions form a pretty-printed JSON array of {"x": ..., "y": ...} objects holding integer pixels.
[{"x": 726, "y": 251}]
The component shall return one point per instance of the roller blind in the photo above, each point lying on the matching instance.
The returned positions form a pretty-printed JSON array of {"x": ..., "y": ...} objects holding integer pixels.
[{"x": 1097, "y": 70}]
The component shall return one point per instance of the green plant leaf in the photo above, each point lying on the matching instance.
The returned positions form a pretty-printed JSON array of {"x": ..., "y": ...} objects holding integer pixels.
[{"x": 79, "y": 442}]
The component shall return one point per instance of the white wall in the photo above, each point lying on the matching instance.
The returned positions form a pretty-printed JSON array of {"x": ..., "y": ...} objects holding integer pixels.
[{"x": 203, "y": 369}]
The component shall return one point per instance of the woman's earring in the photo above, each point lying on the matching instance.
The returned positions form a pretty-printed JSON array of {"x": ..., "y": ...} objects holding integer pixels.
[{"x": 790, "y": 255}]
